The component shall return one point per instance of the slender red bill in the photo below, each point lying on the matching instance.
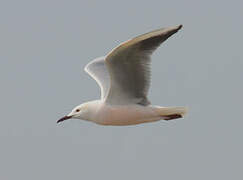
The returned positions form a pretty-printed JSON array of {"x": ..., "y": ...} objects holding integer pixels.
[{"x": 64, "y": 118}]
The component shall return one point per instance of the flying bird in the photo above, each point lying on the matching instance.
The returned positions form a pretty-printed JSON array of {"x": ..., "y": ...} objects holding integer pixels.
[{"x": 123, "y": 76}]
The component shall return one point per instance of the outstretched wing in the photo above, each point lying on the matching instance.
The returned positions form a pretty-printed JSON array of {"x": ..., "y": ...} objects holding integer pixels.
[
  {"x": 98, "y": 71},
  {"x": 129, "y": 67}
]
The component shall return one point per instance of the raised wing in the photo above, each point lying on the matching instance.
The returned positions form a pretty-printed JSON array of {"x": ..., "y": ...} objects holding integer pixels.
[
  {"x": 129, "y": 67},
  {"x": 98, "y": 71}
]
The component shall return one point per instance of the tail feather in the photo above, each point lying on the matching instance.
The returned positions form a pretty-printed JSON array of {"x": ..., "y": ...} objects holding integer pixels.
[{"x": 169, "y": 113}]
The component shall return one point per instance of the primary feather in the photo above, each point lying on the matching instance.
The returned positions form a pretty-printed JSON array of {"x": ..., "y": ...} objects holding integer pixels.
[{"x": 129, "y": 67}]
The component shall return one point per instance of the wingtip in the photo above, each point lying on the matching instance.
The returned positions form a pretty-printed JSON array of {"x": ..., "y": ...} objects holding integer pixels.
[
  {"x": 175, "y": 28},
  {"x": 180, "y": 26}
]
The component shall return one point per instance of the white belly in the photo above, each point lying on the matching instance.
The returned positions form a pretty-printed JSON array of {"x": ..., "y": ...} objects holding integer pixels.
[{"x": 124, "y": 115}]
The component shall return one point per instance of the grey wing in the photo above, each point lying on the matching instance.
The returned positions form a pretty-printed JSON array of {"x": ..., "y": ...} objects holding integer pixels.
[
  {"x": 129, "y": 67},
  {"x": 98, "y": 71}
]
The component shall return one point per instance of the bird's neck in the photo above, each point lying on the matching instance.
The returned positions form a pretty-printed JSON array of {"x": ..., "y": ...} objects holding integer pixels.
[{"x": 91, "y": 107}]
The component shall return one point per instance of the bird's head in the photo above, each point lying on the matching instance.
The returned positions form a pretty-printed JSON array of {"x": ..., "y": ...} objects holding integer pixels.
[{"x": 79, "y": 112}]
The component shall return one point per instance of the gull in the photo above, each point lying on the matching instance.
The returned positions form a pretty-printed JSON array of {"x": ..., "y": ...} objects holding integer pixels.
[{"x": 123, "y": 76}]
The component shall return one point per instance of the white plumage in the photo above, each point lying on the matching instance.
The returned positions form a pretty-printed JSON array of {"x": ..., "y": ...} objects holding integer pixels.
[{"x": 124, "y": 78}]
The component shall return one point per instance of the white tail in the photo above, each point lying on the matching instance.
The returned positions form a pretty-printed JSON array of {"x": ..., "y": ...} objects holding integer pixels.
[{"x": 169, "y": 113}]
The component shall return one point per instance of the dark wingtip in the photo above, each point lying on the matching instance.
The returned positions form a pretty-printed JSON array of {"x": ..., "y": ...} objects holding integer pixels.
[
  {"x": 180, "y": 26},
  {"x": 173, "y": 116}
]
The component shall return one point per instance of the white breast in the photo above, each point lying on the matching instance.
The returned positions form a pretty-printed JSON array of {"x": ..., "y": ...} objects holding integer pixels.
[{"x": 124, "y": 115}]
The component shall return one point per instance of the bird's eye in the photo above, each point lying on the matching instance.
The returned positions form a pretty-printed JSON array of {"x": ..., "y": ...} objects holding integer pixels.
[{"x": 77, "y": 110}]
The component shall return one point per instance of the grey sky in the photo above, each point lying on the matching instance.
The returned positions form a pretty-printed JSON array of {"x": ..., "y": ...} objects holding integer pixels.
[{"x": 44, "y": 47}]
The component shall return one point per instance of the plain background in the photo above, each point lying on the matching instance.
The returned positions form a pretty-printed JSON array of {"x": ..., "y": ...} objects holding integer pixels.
[{"x": 44, "y": 46}]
